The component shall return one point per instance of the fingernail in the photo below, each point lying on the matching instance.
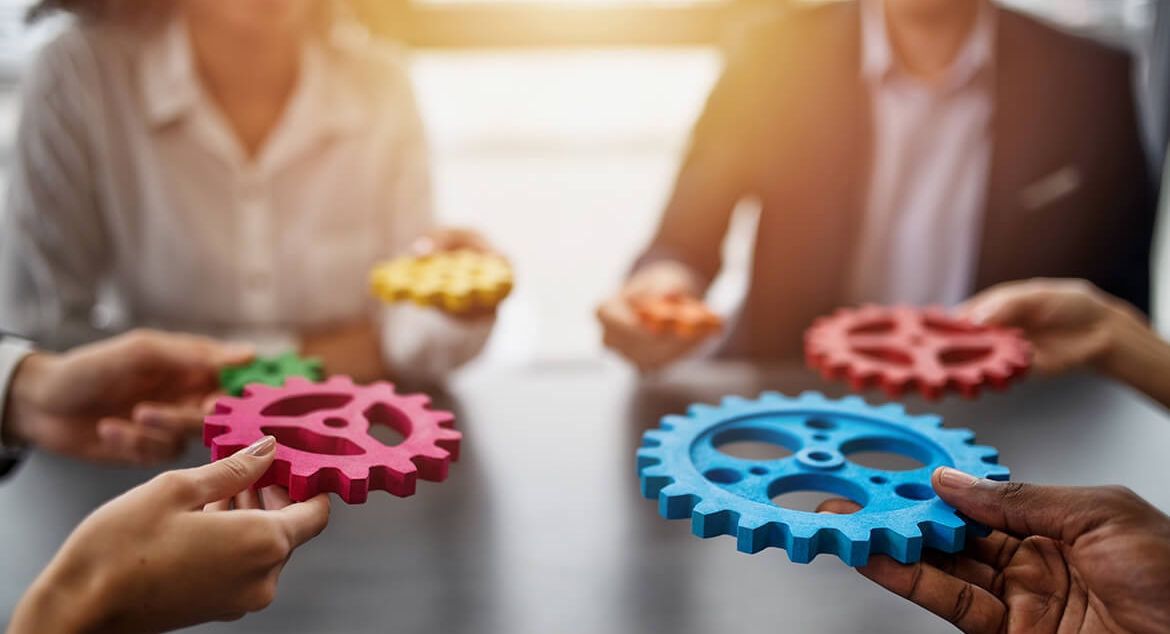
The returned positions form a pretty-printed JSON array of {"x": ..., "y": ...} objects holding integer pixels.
[
  {"x": 261, "y": 447},
  {"x": 955, "y": 479},
  {"x": 978, "y": 317}
]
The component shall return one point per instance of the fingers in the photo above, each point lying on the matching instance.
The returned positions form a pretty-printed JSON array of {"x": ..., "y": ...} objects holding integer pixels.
[
  {"x": 450, "y": 239},
  {"x": 125, "y": 442},
  {"x": 275, "y": 498},
  {"x": 1011, "y": 304},
  {"x": 178, "y": 419},
  {"x": 838, "y": 506},
  {"x": 1063, "y": 513},
  {"x": 969, "y": 607},
  {"x": 247, "y": 499},
  {"x": 184, "y": 352},
  {"x": 225, "y": 478},
  {"x": 305, "y": 520}
]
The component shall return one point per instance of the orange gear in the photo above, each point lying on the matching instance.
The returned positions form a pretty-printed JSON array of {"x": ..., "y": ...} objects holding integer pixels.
[{"x": 681, "y": 315}]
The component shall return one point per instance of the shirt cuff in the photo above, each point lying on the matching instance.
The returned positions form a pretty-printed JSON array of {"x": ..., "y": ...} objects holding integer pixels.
[{"x": 12, "y": 352}]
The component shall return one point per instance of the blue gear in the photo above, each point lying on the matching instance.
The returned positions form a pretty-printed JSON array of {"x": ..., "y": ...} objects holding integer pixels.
[{"x": 724, "y": 495}]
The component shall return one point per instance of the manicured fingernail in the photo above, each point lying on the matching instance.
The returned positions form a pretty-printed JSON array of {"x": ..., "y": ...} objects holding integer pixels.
[
  {"x": 955, "y": 479},
  {"x": 261, "y": 447}
]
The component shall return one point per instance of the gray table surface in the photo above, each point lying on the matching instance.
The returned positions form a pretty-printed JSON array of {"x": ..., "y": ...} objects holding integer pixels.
[{"x": 541, "y": 527}]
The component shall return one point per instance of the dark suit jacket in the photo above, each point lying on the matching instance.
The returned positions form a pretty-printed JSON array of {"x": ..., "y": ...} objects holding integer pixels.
[{"x": 789, "y": 123}]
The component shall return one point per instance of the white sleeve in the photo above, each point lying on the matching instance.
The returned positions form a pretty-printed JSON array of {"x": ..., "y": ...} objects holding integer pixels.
[
  {"x": 53, "y": 247},
  {"x": 420, "y": 343},
  {"x": 12, "y": 352}
]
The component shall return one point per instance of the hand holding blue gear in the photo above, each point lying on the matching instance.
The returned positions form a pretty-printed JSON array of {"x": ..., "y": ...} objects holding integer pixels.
[{"x": 681, "y": 466}]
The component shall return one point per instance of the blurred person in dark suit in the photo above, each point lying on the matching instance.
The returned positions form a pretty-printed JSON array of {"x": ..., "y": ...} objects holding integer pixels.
[{"x": 907, "y": 151}]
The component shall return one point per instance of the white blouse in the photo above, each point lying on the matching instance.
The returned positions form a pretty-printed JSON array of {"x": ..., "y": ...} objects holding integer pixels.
[{"x": 128, "y": 179}]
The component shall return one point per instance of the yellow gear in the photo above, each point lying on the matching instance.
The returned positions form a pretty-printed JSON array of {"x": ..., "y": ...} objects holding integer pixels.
[{"x": 455, "y": 281}]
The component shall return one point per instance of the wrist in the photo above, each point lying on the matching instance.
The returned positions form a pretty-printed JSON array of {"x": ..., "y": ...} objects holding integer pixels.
[
  {"x": 25, "y": 402},
  {"x": 1124, "y": 340},
  {"x": 68, "y": 604}
]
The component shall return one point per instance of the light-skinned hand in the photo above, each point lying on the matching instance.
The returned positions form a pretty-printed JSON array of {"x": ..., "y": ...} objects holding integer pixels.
[
  {"x": 623, "y": 332},
  {"x": 1071, "y": 323},
  {"x": 1061, "y": 560},
  {"x": 154, "y": 560},
  {"x": 131, "y": 399}
]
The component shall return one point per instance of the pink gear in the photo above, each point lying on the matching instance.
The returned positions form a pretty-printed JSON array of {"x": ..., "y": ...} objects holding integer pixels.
[
  {"x": 323, "y": 440},
  {"x": 902, "y": 348}
]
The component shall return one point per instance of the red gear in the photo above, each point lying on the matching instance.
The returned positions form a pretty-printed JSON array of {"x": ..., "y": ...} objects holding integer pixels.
[
  {"x": 323, "y": 441},
  {"x": 902, "y": 348}
]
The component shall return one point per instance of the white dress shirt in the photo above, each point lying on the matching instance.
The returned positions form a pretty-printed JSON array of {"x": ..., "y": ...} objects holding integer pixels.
[
  {"x": 931, "y": 163},
  {"x": 127, "y": 178}
]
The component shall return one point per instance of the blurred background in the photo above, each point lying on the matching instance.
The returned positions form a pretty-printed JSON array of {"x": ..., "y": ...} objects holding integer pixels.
[{"x": 556, "y": 127}]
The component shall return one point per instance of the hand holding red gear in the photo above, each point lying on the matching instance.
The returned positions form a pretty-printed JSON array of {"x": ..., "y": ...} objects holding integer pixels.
[
  {"x": 903, "y": 348},
  {"x": 323, "y": 440}
]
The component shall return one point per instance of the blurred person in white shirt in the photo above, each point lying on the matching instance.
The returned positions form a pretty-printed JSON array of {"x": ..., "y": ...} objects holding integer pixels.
[{"x": 233, "y": 169}]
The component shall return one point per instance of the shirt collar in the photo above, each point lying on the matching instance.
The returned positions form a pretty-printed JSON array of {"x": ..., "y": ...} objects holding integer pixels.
[
  {"x": 877, "y": 54},
  {"x": 328, "y": 94}
]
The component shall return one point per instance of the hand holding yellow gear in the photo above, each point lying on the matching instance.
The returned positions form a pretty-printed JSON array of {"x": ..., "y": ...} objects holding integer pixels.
[{"x": 455, "y": 281}]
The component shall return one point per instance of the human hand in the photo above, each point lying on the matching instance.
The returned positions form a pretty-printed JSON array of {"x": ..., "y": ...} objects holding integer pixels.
[
  {"x": 152, "y": 560},
  {"x": 1071, "y": 323},
  {"x": 624, "y": 332},
  {"x": 131, "y": 399},
  {"x": 447, "y": 239},
  {"x": 1064, "y": 560}
]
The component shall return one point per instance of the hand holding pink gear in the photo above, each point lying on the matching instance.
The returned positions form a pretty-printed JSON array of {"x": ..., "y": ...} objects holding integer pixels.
[
  {"x": 903, "y": 348},
  {"x": 323, "y": 440}
]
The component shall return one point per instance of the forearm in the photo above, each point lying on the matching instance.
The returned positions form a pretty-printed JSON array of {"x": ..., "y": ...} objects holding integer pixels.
[
  {"x": 353, "y": 350},
  {"x": 59, "y": 603},
  {"x": 424, "y": 344},
  {"x": 1135, "y": 355}
]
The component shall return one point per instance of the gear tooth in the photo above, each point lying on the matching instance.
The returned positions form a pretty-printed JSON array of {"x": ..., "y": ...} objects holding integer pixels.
[
  {"x": 673, "y": 422},
  {"x": 810, "y": 397},
  {"x": 702, "y": 411},
  {"x": 893, "y": 410},
  {"x": 675, "y": 502},
  {"x": 709, "y": 520},
  {"x": 943, "y": 529},
  {"x": 734, "y": 401},
  {"x": 340, "y": 381},
  {"x": 772, "y": 397},
  {"x": 928, "y": 421},
  {"x": 996, "y": 472},
  {"x": 853, "y": 401},
  {"x": 653, "y": 438},
  {"x": 903, "y": 543}
]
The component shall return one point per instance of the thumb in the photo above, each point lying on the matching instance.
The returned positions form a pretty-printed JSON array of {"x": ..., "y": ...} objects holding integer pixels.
[
  {"x": 229, "y": 476},
  {"x": 1023, "y": 510}
]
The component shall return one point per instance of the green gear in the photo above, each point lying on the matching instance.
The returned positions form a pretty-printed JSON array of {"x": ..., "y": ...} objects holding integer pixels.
[{"x": 271, "y": 371}]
